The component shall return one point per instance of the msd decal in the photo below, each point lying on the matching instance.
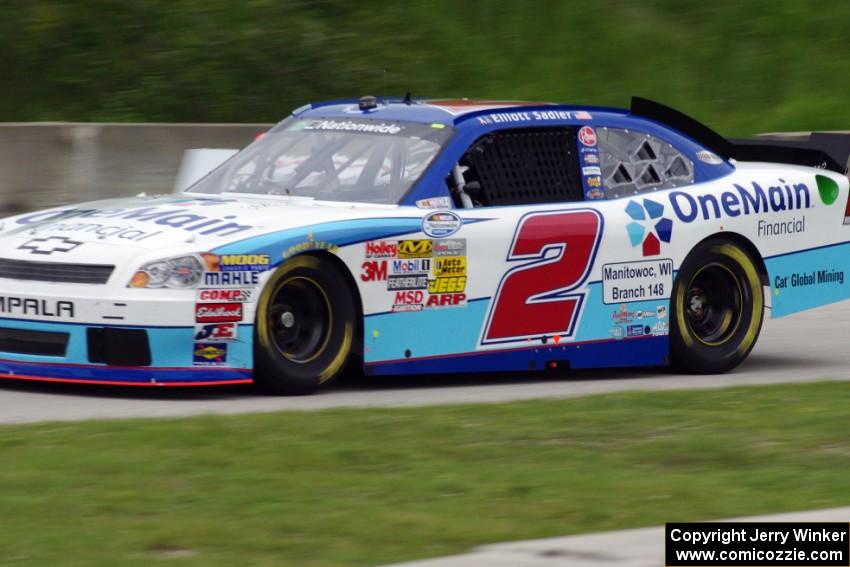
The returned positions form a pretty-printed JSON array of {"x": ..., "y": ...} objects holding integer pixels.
[{"x": 649, "y": 226}]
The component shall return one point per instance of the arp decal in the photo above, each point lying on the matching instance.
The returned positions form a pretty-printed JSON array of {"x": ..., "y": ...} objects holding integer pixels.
[{"x": 543, "y": 294}]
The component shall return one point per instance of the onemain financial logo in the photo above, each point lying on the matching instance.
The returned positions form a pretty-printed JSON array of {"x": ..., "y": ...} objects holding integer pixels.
[{"x": 741, "y": 201}]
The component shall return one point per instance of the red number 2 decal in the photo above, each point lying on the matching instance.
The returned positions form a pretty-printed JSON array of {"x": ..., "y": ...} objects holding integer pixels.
[{"x": 534, "y": 298}]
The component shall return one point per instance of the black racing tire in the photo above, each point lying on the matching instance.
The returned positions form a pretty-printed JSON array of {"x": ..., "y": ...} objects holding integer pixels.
[
  {"x": 304, "y": 331},
  {"x": 716, "y": 310}
]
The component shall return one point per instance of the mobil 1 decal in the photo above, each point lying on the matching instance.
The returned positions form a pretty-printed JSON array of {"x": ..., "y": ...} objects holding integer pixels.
[
  {"x": 542, "y": 294},
  {"x": 591, "y": 169}
]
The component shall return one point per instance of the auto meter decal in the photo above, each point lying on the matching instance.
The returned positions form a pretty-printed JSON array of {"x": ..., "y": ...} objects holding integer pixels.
[
  {"x": 441, "y": 224},
  {"x": 218, "y": 312}
]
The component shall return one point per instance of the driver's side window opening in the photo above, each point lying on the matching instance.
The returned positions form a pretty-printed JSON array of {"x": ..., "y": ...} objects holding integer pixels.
[{"x": 518, "y": 167}]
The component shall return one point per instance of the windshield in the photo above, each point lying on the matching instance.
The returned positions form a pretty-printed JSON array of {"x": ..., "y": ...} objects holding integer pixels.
[{"x": 333, "y": 159}]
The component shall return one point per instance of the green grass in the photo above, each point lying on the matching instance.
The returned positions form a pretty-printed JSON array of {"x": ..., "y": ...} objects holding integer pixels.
[
  {"x": 365, "y": 487},
  {"x": 742, "y": 67}
]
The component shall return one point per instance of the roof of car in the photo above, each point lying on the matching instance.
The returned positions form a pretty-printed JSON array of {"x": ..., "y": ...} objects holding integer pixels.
[{"x": 441, "y": 111}]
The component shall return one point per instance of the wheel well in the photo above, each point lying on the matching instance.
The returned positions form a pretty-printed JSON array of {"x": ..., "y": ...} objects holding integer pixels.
[
  {"x": 355, "y": 292},
  {"x": 747, "y": 245}
]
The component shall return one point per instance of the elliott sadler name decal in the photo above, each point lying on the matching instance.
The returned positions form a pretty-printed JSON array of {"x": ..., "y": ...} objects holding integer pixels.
[
  {"x": 741, "y": 201},
  {"x": 161, "y": 216},
  {"x": 38, "y": 307}
]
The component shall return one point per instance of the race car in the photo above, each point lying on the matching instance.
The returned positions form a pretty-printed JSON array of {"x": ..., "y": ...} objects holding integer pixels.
[{"x": 398, "y": 236}]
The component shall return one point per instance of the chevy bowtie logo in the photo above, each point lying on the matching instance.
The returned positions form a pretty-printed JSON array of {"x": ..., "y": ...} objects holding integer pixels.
[{"x": 49, "y": 245}]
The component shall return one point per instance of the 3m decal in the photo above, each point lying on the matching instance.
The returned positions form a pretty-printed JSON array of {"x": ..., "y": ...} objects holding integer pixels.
[
  {"x": 415, "y": 249},
  {"x": 373, "y": 271},
  {"x": 543, "y": 294},
  {"x": 216, "y": 332},
  {"x": 218, "y": 312}
]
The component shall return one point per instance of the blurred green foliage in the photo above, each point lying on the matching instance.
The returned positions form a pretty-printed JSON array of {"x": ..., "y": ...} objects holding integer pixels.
[{"x": 743, "y": 67}]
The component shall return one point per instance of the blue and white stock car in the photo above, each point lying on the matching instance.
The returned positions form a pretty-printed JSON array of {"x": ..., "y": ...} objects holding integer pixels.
[{"x": 399, "y": 236}]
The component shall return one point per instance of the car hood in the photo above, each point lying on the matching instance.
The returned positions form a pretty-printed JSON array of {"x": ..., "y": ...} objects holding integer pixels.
[{"x": 120, "y": 228}]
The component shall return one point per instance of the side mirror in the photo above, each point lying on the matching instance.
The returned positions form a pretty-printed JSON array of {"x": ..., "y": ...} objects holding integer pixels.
[{"x": 197, "y": 164}]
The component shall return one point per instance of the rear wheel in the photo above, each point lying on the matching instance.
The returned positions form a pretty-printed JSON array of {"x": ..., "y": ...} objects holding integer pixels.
[
  {"x": 304, "y": 331},
  {"x": 717, "y": 309}
]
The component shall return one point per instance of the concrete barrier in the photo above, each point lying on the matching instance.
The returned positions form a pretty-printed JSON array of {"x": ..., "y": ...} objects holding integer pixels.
[{"x": 50, "y": 164}]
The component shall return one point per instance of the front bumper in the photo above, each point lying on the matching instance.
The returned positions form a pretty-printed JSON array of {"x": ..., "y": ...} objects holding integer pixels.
[{"x": 133, "y": 337}]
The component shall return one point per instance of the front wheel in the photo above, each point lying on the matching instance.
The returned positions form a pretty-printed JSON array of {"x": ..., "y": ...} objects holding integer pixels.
[
  {"x": 304, "y": 329},
  {"x": 717, "y": 309}
]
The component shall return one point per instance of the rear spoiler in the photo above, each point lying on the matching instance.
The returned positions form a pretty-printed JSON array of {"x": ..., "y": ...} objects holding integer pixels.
[{"x": 824, "y": 150}]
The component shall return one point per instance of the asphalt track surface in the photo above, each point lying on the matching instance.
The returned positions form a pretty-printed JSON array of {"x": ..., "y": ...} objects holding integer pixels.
[{"x": 805, "y": 347}]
